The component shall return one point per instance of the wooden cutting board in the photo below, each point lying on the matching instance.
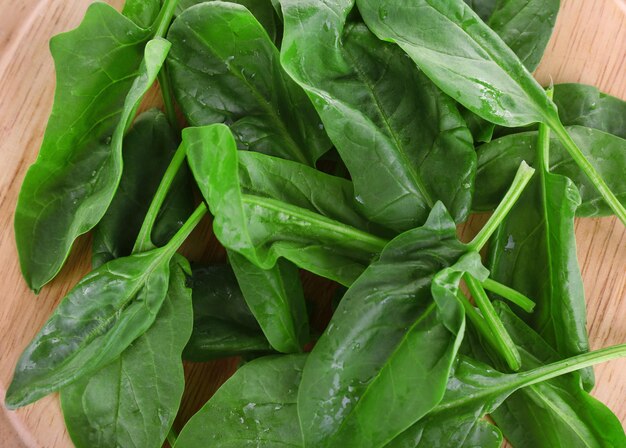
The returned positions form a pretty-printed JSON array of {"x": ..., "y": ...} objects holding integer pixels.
[{"x": 589, "y": 46}]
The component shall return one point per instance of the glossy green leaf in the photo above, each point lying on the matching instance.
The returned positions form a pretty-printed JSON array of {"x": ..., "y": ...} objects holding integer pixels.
[
  {"x": 132, "y": 401},
  {"x": 225, "y": 68},
  {"x": 276, "y": 299},
  {"x": 476, "y": 389},
  {"x": 384, "y": 360},
  {"x": 556, "y": 412},
  {"x": 262, "y": 10},
  {"x": 464, "y": 57},
  {"x": 534, "y": 252},
  {"x": 103, "y": 71},
  {"x": 263, "y": 229},
  {"x": 498, "y": 160},
  {"x": 148, "y": 149},
  {"x": 223, "y": 323},
  {"x": 256, "y": 407},
  {"x": 395, "y": 141},
  {"x": 583, "y": 105},
  {"x": 525, "y": 26},
  {"x": 142, "y": 12},
  {"x": 97, "y": 320},
  {"x": 484, "y": 8}
]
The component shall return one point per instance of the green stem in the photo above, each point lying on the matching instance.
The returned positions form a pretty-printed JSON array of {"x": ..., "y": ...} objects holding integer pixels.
[
  {"x": 510, "y": 294},
  {"x": 144, "y": 242},
  {"x": 165, "y": 17},
  {"x": 588, "y": 169},
  {"x": 183, "y": 233},
  {"x": 522, "y": 177},
  {"x": 572, "y": 364},
  {"x": 167, "y": 94},
  {"x": 503, "y": 342},
  {"x": 476, "y": 319}
]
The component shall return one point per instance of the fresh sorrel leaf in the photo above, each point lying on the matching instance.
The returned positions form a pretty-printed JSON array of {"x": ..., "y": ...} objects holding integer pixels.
[
  {"x": 133, "y": 400},
  {"x": 142, "y": 12},
  {"x": 103, "y": 71},
  {"x": 225, "y": 68},
  {"x": 395, "y": 141},
  {"x": 498, "y": 160}
]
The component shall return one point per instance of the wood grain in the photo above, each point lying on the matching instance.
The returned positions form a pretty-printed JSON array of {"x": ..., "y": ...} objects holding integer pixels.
[{"x": 589, "y": 45}]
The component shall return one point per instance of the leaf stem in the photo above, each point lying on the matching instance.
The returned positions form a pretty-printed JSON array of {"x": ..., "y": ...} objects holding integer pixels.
[
  {"x": 502, "y": 341},
  {"x": 165, "y": 17},
  {"x": 572, "y": 364},
  {"x": 522, "y": 177},
  {"x": 144, "y": 242},
  {"x": 167, "y": 94},
  {"x": 510, "y": 294},
  {"x": 588, "y": 169},
  {"x": 179, "y": 238},
  {"x": 476, "y": 319}
]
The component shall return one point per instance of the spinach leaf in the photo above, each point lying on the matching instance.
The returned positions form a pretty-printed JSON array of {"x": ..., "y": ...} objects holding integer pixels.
[
  {"x": 223, "y": 324},
  {"x": 148, "y": 148},
  {"x": 525, "y": 26},
  {"x": 96, "y": 321},
  {"x": 133, "y": 400},
  {"x": 103, "y": 71},
  {"x": 534, "y": 252},
  {"x": 396, "y": 142},
  {"x": 142, "y": 12},
  {"x": 498, "y": 160},
  {"x": 468, "y": 61},
  {"x": 255, "y": 407},
  {"x": 276, "y": 299},
  {"x": 583, "y": 105},
  {"x": 262, "y": 10},
  {"x": 476, "y": 389},
  {"x": 229, "y": 72},
  {"x": 575, "y": 417},
  {"x": 397, "y": 328},
  {"x": 263, "y": 229}
]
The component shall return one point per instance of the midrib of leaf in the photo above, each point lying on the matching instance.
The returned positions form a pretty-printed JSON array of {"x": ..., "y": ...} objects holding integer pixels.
[
  {"x": 399, "y": 149},
  {"x": 375, "y": 243},
  {"x": 425, "y": 314},
  {"x": 297, "y": 151}
]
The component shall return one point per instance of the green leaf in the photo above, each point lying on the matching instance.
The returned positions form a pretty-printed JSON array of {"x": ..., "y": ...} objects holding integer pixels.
[
  {"x": 132, "y": 402},
  {"x": 396, "y": 142},
  {"x": 499, "y": 159},
  {"x": 256, "y": 407},
  {"x": 464, "y": 57},
  {"x": 263, "y": 229},
  {"x": 584, "y": 105},
  {"x": 97, "y": 320},
  {"x": 484, "y": 8},
  {"x": 575, "y": 417},
  {"x": 262, "y": 10},
  {"x": 148, "y": 149},
  {"x": 230, "y": 72},
  {"x": 223, "y": 323},
  {"x": 142, "y": 12},
  {"x": 525, "y": 26},
  {"x": 393, "y": 338},
  {"x": 276, "y": 299},
  {"x": 476, "y": 389},
  {"x": 103, "y": 71}
]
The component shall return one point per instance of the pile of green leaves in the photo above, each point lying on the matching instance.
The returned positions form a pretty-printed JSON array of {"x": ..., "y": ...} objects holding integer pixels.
[{"x": 347, "y": 139}]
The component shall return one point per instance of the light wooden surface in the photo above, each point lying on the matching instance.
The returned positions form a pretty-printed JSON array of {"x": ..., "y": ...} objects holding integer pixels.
[{"x": 589, "y": 45}]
